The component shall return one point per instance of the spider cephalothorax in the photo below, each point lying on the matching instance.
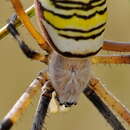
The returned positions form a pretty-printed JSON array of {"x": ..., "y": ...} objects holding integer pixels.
[{"x": 69, "y": 77}]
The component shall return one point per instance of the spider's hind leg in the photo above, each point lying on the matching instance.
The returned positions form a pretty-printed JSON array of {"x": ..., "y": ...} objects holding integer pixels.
[{"x": 23, "y": 46}]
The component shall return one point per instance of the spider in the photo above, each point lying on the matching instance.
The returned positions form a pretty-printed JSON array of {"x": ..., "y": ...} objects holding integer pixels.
[{"x": 67, "y": 70}]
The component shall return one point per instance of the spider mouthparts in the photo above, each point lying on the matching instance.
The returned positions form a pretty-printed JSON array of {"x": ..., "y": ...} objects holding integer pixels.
[
  {"x": 66, "y": 104},
  {"x": 69, "y": 104}
]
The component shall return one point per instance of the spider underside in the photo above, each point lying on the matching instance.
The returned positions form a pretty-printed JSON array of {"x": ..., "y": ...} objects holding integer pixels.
[{"x": 68, "y": 78}]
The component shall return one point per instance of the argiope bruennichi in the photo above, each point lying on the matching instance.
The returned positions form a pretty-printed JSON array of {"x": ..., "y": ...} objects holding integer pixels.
[{"x": 72, "y": 35}]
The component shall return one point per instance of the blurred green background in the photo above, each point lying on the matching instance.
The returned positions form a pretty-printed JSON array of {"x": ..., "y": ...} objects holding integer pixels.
[{"x": 16, "y": 72}]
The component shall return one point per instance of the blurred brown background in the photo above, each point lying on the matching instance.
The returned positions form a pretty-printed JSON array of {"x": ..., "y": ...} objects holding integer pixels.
[{"x": 16, "y": 72}]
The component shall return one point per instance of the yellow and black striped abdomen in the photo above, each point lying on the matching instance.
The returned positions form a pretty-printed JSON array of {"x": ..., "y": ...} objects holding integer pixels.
[{"x": 75, "y": 26}]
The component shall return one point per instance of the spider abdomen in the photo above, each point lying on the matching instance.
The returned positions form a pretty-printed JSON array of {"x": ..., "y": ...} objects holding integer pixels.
[{"x": 75, "y": 27}]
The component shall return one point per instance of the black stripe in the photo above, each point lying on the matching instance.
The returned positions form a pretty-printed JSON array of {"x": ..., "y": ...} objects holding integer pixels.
[
  {"x": 85, "y": 7},
  {"x": 76, "y": 15},
  {"x": 82, "y": 37},
  {"x": 84, "y": 31},
  {"x": 71, "y": 55},
  {"x": 75, "y": 2}
]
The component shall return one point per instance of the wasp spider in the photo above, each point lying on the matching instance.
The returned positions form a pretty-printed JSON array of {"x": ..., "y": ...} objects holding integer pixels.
[{"x": 72, "y": 35}]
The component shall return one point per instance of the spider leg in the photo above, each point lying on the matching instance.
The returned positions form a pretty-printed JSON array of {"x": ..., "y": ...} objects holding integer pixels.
[
  {"x": 109, "y": 99},
  {"x": 4, "y": 32},
  {"x": 27, "y": 23},
  {"x": 111, "y": 59},
  {"x": 116, "y": 46},
  {"x": 25, "y": 49},
  {"x": 23, "y": 102},
  {"x": 42, "y": 106},
  {"x": 103, "y": 109}
]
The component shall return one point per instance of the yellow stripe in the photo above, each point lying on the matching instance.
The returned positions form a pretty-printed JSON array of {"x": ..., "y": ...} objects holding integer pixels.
[
  {"x": 75, "y": 22},
  {"x": 84, "y": 1},
  {"x": 97, "y": 3},
  {"x": 69, "y": 5}
]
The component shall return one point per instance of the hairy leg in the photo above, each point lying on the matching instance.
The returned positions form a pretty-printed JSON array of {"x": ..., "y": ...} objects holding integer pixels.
[
  {"x": 109, "y": 99},
  {"x": 111, "y": 59}
]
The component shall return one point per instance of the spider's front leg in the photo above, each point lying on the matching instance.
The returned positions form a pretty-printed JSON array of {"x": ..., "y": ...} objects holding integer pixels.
[
  {"x": 23, "y": 102},
  {"x": 103, "y": 109},
  {"x": 112, "y": 101},
  {"x": 42, "y": 107},
  {"x": 109, "y": 99},
  {"x": 96, "y": 85}
]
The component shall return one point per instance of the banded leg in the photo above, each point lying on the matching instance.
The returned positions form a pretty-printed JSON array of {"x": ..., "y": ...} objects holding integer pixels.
[
  {"x": 42, "y": 107},
  {"x": 109, "y": 99},
  {"x": 23, "y": 102},
  {"x": 111, "y": 59},
  {"x": 4, "y": 32},
  {"x": 116, "y": 46},
  {"x": 27, "y": 23},
  {"x": 103, "y": 109},
  {"x": 25, "y": 49}
]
